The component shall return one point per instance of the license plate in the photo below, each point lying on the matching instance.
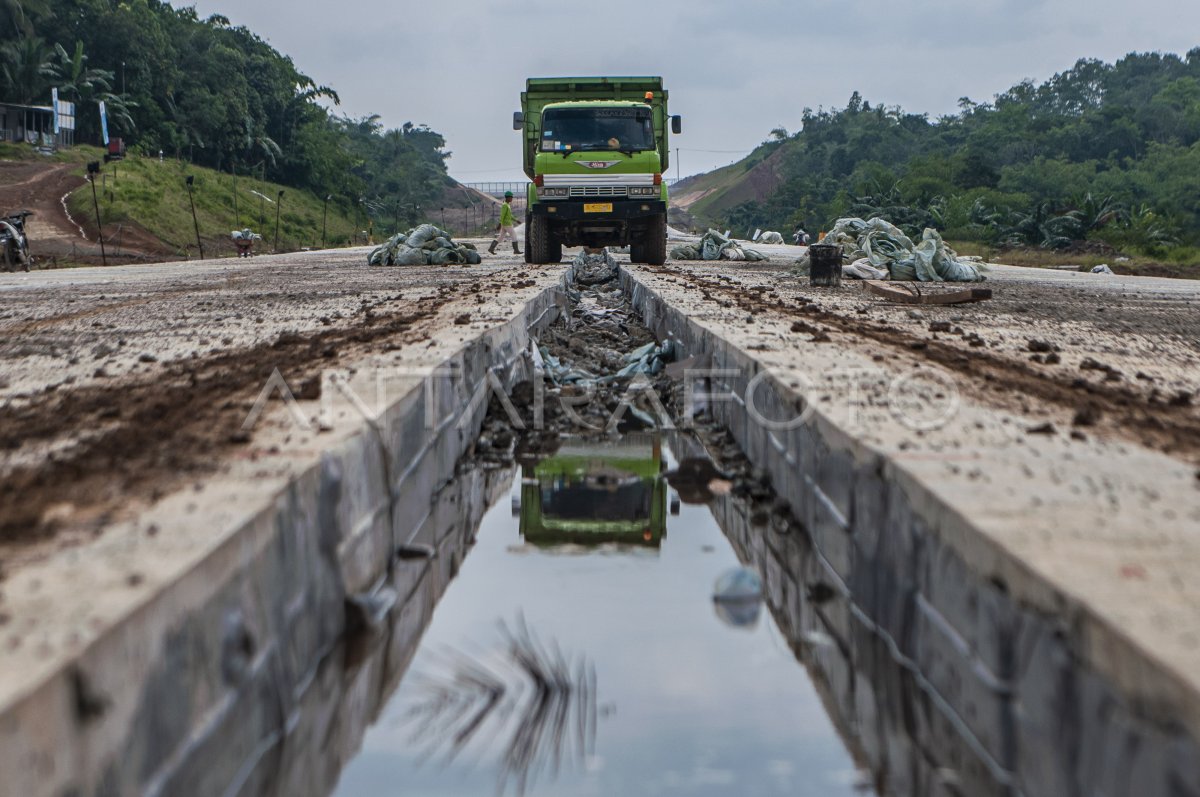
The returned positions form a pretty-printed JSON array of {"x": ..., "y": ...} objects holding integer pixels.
[{"x": 597, "y": 207}]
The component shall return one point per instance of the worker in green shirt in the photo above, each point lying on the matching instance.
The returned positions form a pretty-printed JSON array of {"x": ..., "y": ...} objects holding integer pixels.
[{"x": 505, "y": 228}]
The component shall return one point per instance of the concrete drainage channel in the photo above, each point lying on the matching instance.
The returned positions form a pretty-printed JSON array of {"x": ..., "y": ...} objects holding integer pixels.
[{"x": 259, "y": 671}]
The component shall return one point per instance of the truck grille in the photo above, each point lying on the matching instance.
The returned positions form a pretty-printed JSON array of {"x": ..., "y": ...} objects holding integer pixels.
[{"x": 599, "y": 190}]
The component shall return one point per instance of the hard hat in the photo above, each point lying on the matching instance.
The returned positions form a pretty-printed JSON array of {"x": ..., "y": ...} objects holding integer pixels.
[{"x": 508, "y": 194}]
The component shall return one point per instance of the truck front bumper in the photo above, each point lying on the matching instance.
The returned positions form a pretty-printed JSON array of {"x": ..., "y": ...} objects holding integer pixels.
[{"x": 574, "y": 210}]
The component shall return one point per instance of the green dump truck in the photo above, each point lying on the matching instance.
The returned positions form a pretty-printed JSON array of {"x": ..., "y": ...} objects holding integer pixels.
[
  {"x": 596, "y": 493},
  {"x": 595, "y": 149}
]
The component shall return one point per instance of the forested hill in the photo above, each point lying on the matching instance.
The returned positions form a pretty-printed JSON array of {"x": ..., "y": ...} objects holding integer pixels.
[
  {"x": 209, "y": 92},
  {"x": 1101, "y": 151}
]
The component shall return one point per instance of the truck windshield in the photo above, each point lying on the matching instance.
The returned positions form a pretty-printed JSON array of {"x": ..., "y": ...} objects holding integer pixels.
[
  {"x": 576, "y": 129},
  {"x": 586, "y": 501}
]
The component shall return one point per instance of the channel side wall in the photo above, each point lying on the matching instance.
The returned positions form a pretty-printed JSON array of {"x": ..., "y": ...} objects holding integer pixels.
[
  {"x": 197, "y": 689},
  {"x": 1002, "y": 690}
]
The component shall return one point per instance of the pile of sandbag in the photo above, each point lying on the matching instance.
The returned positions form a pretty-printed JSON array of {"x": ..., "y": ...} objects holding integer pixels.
[
  {"x": 715, "y": 246},
  {"x": 877, "y": 249},
  {"x": 769, "y": 237},
  {"x": 425, "y": 245}
]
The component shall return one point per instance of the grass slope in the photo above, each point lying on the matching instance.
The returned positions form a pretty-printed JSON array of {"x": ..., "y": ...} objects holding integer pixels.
[{"x": 152, "y": 195}]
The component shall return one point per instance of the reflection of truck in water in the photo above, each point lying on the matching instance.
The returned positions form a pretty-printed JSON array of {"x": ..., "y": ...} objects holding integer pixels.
[
  {"x": 595, "y": 149},
  {"x": 593, "y": 493}
]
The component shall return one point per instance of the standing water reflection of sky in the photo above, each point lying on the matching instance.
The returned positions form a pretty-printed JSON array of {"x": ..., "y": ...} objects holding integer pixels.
[{"x": 685, "y": 704}]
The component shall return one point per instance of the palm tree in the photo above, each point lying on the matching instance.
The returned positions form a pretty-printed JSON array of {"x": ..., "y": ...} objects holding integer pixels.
[
  {"x": 19, "y": 15},
  {"x": 1147, "y": 231},
  {"x": 1040, "y": 226},
  {"x": 1091, "y": 214},
  {"x": 74, "y": 79},
  {"x": 27, "y": 69},
  {"x": 118, "y": 107}
]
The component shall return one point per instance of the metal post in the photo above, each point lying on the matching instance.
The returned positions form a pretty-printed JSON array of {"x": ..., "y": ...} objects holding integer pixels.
[
  {"x": 324, "y": 216},
  {"x": 196, "y": 223},
  {"x": 278, "y": 204},
  {"x": 677, "y": 164},
  {"x": 94, "y": 169}
]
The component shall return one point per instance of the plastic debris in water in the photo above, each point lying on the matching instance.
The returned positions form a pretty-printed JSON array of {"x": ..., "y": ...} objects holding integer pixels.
[{"x": 737, "y": 597}]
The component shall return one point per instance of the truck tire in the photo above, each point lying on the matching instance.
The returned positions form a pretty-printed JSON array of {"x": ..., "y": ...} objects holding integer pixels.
[
  {"x": 637, "y": 252},
  {"x": 537, "y": 240},
  {"x": 10, "y": 255},
  {"x": 656, "y": 241},
  {"x": 528, "y": 250},
  {"x": 555, "y": 253}
]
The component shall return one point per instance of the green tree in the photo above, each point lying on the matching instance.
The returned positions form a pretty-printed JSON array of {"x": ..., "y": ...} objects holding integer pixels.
[
  {"x": 21, "y": 15},
  {"x": 74, "y": 79},
  {"x": 27, "y": 69}
]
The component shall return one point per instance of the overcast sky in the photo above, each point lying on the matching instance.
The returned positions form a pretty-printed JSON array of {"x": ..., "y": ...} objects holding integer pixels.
[{"x": 734, "y": 70}]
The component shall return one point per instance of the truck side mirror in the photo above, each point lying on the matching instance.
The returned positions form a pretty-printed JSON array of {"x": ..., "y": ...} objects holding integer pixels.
[
  {"x": 676, "y": 124},
  {"x": 518, "y": 120}
]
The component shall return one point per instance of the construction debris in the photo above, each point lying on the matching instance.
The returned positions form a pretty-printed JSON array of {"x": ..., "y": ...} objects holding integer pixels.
[
  {"x": 769, "y": 237},
  {"x": 593, "y": 266},
  {"x": 715, "y": 246},
  {"x": 883, "y": 246},
  {"x": 425, "y": 245},
  {"x": 910, "y": 294}
]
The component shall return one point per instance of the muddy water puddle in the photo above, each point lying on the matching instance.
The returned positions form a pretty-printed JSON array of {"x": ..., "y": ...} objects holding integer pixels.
[{"x": 579, "y": 651}]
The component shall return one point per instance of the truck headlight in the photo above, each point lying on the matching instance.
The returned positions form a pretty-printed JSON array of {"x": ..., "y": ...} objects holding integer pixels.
[{"x": 643, "y": 191}]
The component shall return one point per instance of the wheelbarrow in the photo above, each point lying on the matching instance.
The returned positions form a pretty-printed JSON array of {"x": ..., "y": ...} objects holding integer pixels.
[{"x": 244, "y": 240}]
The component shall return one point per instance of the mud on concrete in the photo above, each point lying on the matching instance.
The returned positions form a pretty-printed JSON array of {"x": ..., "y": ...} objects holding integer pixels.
[
  {"x": 1122, "y": 365},
  {"x": 118, "y": 389}
]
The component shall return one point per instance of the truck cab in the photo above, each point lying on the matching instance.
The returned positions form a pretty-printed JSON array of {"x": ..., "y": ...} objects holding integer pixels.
[{"x": 595, "y": 150}]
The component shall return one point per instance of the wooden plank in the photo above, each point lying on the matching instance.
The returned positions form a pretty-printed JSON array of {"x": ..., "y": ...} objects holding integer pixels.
[{"x": 905, "y": 293}]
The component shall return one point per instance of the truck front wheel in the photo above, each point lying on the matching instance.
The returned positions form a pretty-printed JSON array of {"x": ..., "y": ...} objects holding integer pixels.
[
  {"x": 538, "y": 246},
  {"x": 655, "y": 246}
]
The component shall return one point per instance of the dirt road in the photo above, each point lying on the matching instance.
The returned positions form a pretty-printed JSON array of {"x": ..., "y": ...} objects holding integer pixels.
[{"x": 53, "y": 234}]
